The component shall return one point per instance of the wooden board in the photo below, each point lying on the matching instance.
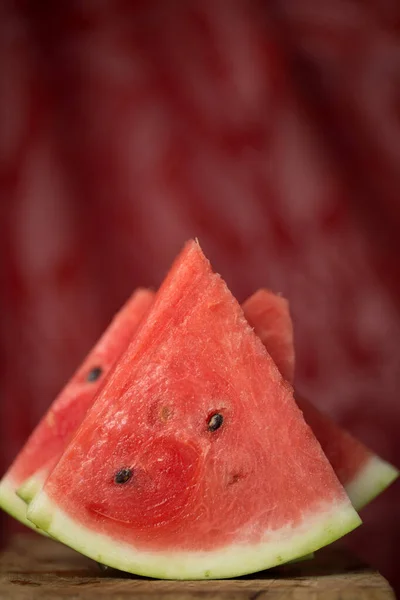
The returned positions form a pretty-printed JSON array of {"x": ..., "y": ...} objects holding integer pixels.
[{"x": 35, "y": 568}]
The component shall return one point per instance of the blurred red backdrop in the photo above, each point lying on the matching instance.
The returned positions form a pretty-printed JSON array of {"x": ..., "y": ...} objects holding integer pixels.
[{"x": 270, "y": 130}]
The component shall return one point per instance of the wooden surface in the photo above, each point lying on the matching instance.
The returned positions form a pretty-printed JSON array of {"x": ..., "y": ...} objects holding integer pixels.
[{"x": 33, "y": 568}]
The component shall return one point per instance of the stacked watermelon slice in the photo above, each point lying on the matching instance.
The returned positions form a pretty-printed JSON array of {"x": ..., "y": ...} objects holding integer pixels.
[{"x": 178, "y": 449}]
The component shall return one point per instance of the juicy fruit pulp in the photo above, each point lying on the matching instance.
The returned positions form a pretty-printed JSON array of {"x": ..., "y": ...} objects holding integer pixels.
[
  {"x": 255, "y": 492},
  {"x": 363, "y": 474},
  {"x": 55, "y": 430},
  {"x": 270, "y": 318}
]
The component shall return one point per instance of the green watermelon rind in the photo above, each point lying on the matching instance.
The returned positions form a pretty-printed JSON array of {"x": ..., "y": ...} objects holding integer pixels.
[
  {"x": 302, "y": 558},
  {"x": 284, "y": 545},
  {"x": 370, "y": 481},
  {"x": 13, "y": 505}
]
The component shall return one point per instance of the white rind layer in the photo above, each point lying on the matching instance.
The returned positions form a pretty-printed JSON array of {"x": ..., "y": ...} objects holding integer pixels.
[
  {"x": 31, "y": 487},
  {"x": 34, "y": 484},
  {"x": 13, "y": 505},
  {"x": 371, "y": 481},
  {"x": 231, "y": 561}
]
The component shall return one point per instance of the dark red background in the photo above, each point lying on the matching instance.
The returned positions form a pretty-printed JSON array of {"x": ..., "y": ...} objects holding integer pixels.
[{"x": 270, "y": 130}]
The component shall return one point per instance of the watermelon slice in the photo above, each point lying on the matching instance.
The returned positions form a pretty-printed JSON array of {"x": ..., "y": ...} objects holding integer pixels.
[
  {"x": 194, "y": 461},
  {"x": 363, "y": 474},
  {"x": 54, "y": 431}
]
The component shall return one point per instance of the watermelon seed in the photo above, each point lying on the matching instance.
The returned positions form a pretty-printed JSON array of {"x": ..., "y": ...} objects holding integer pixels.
[
  {"x": 94, "y": 374},
  {"x": 165, "y": 414},
  {"x": 123, "y": 475},
  {"x": 215, "y": 421},
  {"x": 234, "y": 478}
]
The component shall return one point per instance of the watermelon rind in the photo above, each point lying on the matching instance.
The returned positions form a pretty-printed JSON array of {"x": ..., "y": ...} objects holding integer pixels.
[
  {"x": 370, "y": 481},
  {"x": 302, "y": 558},
  {"x": 13, "y": 505},
  {"x": 283, "y": 545},
  {"x": 30, "y": 488},
  {"x": 33, "y": 485}
]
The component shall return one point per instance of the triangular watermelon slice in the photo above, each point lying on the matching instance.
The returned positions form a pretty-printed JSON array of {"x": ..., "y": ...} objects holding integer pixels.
[
  {"x": 194, "y": 461},
  {"x": 363, "y": 474},
  {"x": 54, "y": 431}
]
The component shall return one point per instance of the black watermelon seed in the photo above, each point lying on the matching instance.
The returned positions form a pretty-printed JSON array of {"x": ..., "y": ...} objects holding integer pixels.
[
  {"x": 234, "y": 478},
  {"x": 123, "y": 475},
  {"x": 215, "y": 422},
  {"x": 94, "y": 374}
]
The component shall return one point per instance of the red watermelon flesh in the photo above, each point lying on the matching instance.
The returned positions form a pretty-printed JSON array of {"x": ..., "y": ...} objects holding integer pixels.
[
  {"x": 269, "y": 315},
  {"x": 195, "y": 460},
  {"x": 363, "y": 474},
  {"x": 54, "y": 431}
]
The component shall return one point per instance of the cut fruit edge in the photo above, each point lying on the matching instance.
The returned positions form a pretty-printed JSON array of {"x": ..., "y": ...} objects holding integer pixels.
[
  {"x": 283, "y": 546},
  {"x": 370, "y": 481},
  {"x": 13, "y": 505}
]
